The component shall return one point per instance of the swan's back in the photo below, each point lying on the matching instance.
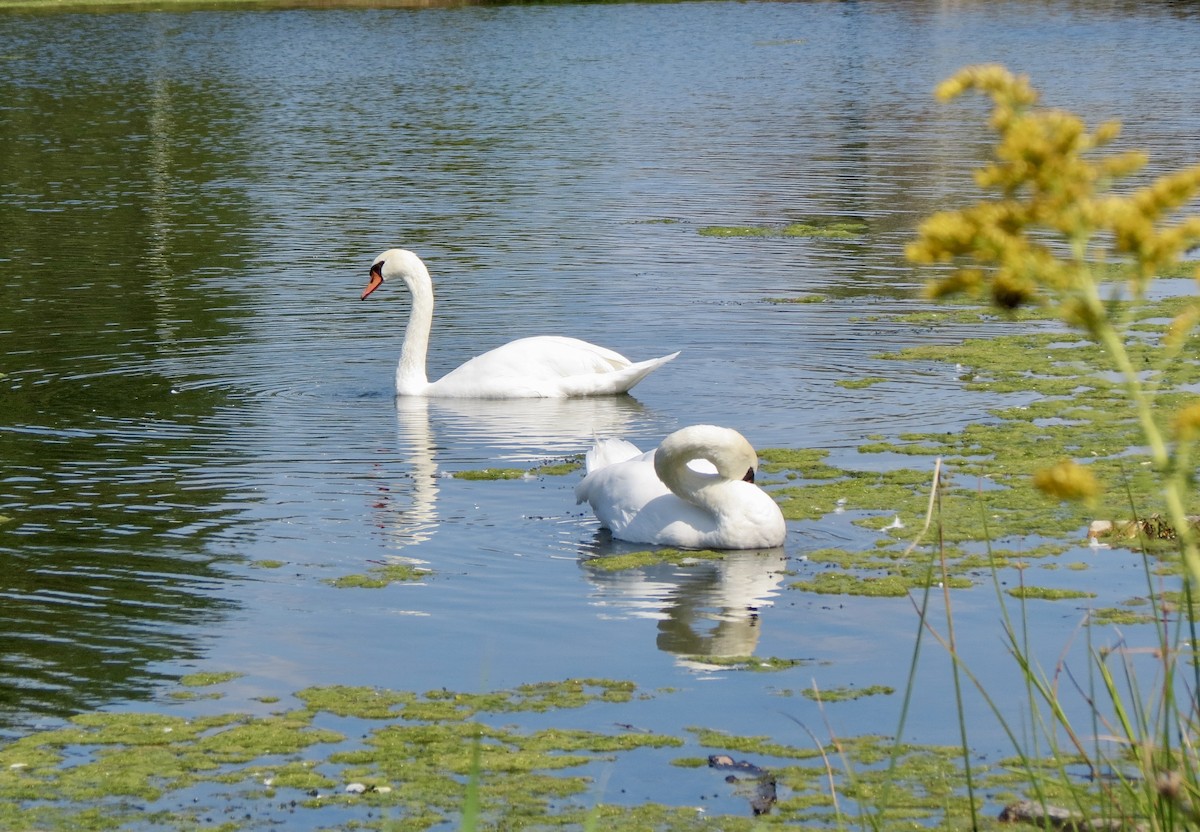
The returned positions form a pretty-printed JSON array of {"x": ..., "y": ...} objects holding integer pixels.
[
  {"x": 547, "y": 366},
  {"x": 608, "y": 452}
]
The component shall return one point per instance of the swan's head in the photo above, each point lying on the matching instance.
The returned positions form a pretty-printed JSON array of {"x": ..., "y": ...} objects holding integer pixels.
[
  {"x": 729, "y": 453},
  {"x": 739, "y": 460},
  {"x": 395, "y": 262}
]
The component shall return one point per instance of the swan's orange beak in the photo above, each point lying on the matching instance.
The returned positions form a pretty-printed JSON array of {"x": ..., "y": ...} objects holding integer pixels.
[
  {"x": 375, "y": 282},
  {"x": 749, "y": 475}
]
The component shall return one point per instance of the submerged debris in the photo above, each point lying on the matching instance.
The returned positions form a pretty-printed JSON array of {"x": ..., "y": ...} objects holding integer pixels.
[
  {"x": 1154, "y": 527},
  {"x": 1056, "y": 817},
  {"x": 761, "y": 792}
]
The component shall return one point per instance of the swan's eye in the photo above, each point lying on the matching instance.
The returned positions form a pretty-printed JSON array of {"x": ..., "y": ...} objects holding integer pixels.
[{"x": 749, "y": 475}]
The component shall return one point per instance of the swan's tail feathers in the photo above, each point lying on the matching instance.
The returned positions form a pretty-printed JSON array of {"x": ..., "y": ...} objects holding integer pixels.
[
  {"x": 639, "y": 370},
  {"x": 608, "y": 452},
  {"x": 618, "y": 381},
  {"x": 603, "y": 453}
]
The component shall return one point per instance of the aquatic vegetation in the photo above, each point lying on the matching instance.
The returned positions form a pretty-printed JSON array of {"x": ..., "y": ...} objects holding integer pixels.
[
  {"x": 846, "y": 694},
  {"x": 1081, "y": 414},
  {"x": 550, "y": 469},
  {"x": 807, "y": 462},
  {"x": 1048, "y": 593},
  {"x": 400, "y": 761},
  {"x": 840, "y": 230},
  {"x": 106, "y": 771},
  {"x": 198, "y": 680},
  {"x": 759, "y": 745},
  {"x": 381, "y": 575},
  {"x": 754, "y": 663},
  {"x": 799, "y": 299},
  {"x": 1119, "y": 616},
  {"x": 818, "y": 229},
  {"x": 492, "y": 474},
  {"x": 876, "y": 586},
  {"x": 559, "y": 469},
  {"x": 649, "y": 557},
  {"x": 360, "y": 702},
  {"x": 860, "y": 383},
  {"x": 737, "y": 231}
]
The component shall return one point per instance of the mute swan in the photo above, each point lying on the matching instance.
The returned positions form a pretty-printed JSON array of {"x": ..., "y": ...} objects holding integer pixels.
[
  {"x": 696, "y": 490},
  {"x": 545, "y": 366}
]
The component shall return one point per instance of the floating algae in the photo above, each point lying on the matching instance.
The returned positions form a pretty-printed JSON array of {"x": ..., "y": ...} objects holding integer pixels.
[
  {"x": 987, "y": 491},
  {"x": 831, "y": 229}
]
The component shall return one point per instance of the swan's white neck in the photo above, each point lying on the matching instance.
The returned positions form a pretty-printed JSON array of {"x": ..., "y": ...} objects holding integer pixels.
[
  {"x": 411, "y": 379},
  {"x": 682, "y": 480},
  {"x": 731, "y": 457}
]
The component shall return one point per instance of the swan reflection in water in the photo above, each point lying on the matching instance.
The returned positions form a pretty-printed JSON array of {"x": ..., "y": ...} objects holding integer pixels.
[
  {"x": 709, "y": 608},
  {"x": 530, "y": 429},
  {"x": 475, "y": 433},
  {"x": 412, "y": 521}
]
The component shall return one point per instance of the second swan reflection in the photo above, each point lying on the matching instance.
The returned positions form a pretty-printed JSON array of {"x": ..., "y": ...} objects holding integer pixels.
[{"x": 696, "y": 490}]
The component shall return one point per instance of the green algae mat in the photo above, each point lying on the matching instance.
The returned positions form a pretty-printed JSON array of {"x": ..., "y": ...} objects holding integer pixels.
[
  {"x": 366, "y": 758},
  {"x": 989, "y": 512}
]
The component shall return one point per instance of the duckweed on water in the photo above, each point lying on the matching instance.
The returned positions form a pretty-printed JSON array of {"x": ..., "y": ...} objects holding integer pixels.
[
  {"x": 761, "y": 664},
  {"x": 106, "y": 771},
  {"x": 414, "y": 754},
  {"x": 192, "y": 696},
  {"x": 110, "y": 771},
  {"x": 818, "y": 229},
  {"x": 380, "y": 576},
  {"x": 799, "y": 462},
  {"x": 200, "y": 680},
  {"x": 1119, "y": 616},
  {"x": 637, "y": 560},
  {"x": 1048, "y": 593},
  {"x": 492, "y": 474},
  {"x": 550, "y": 469},
  {"x": 760, "y": 746},
  {"x": 842, "y": 583},
  {"x": 988, "y": 467},
  {"x": 560, "y": 469},
  {"x": 799, "y": 299},
  {"x": 359, "y": 702},
  {"x": 846, "y": 694},
  {"x": 860, "y": 383}
]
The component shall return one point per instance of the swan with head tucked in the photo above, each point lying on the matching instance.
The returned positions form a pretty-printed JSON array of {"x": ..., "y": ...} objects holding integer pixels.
[
  {"x": 544, "y": 366},
  {"x": 696, "y": 490}
]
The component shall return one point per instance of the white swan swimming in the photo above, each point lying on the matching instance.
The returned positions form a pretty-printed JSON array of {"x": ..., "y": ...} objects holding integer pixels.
[
  {"x": 544, "y": 366},
  {"x": 696, "y": 490}
]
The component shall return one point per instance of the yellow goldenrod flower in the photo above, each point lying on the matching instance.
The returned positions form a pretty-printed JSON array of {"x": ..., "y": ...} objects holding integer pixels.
[
  {"x": 1181, "y": 329},
  {"x": 1053, "y": 209},
  {"x": 1067, "y": 480},
  {"x": 1187, "y": 422}
]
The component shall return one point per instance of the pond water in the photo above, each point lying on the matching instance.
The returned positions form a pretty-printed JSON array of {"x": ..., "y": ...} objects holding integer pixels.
[{"x": 191, "y": 386}]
